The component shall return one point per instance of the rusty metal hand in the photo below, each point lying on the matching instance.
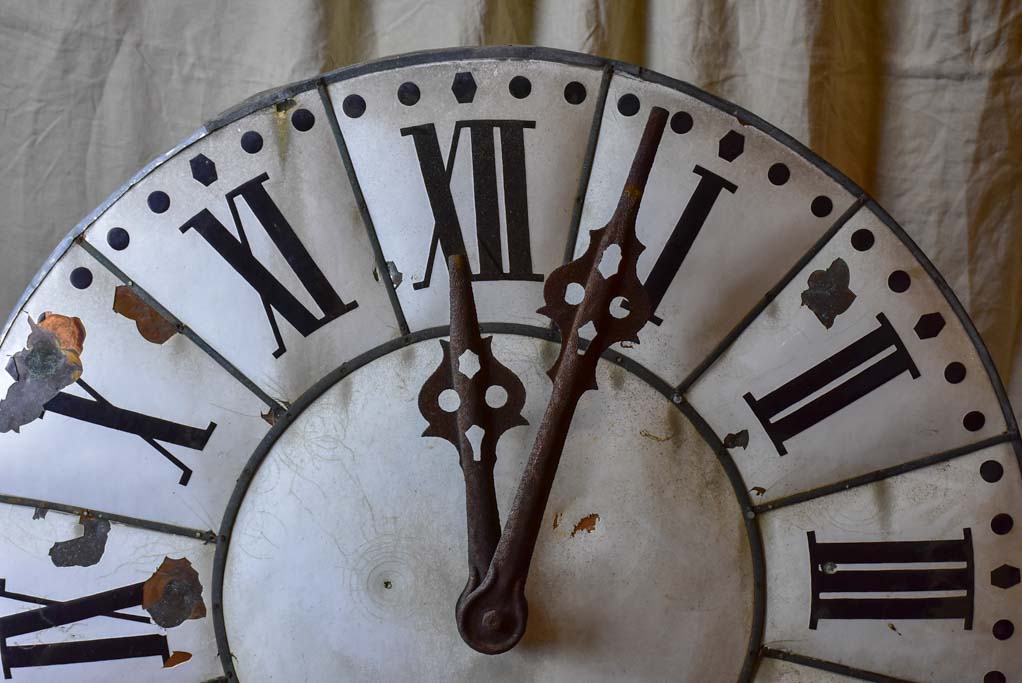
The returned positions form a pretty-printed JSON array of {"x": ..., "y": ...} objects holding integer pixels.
[
  {"x": 483, "y": 520},
  {"x": 492, "y": 617}
]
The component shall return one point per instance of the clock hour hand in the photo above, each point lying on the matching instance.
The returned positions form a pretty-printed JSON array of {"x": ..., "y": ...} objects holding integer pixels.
[
  {"x": 469, "y": 370},
  {"x": 492, "y": 618}
]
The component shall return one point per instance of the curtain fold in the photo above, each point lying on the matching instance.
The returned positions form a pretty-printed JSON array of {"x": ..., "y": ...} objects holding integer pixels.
[{"x": 918, "y": 102}]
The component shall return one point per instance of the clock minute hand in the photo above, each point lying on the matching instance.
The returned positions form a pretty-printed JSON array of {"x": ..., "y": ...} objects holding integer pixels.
[
  {"x": 454, "y": 373},
  {"x": 492, "y": 618}
]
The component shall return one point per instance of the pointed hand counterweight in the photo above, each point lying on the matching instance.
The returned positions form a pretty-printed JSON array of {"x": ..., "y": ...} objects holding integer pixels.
[
  {"x": 483, "y": 520},
  {"x": 492, "y": 617}
]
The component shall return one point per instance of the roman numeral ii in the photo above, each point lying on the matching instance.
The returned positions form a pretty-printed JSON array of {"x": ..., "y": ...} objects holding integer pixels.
[{"x": 883, "y": 339}]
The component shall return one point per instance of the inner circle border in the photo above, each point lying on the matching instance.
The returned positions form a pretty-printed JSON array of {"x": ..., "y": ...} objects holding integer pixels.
[{"x": 295, "y": 411}]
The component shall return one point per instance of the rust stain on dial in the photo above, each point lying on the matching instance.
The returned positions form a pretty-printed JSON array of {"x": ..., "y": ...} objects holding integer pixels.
[
  {"x": 173, "y": 594},
  {"x": 177, "y": 657},
  {"x": 586, "y": 524},
  {"x": 151, "y": 325}
]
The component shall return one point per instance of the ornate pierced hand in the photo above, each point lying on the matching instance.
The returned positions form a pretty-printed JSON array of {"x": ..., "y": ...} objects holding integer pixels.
[
  {"x": 492, "y": 618},
  {"x": 473, "y": 410}
]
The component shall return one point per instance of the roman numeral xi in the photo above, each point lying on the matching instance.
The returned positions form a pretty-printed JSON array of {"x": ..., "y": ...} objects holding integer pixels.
[{"x": 237, "y": 251}]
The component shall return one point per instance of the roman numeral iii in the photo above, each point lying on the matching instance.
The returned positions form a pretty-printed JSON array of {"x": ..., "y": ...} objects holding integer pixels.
[{"x": 839, "y": 571}]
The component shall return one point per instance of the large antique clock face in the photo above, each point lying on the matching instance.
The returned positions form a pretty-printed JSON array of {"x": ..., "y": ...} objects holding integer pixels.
[{"x": 689, "y": 403}]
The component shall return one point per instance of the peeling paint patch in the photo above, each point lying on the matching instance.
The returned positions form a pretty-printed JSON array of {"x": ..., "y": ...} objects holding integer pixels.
[
  {"x": 586, "y": 524},
  {"x": 87, "y": 549},
  {"x": 396, "y": 276},
  {"x": 557, "y": 519},
  {"x": 827, "y": 295},
  {"x": 151, "y": 325},
  {"x": 176, "y": 657},
  {"x": 173, "y": 594},
  {"x": 269, "y": 417},
  {"x": 653, "y": 437},
  {"x": 50, "y": 361},
  {"x": 758, "y": 490},
  {"x": 285, "y": 105},
  {"x": 40, "y": 513},
  {"x": 737, "y": 440},
  {"x": 894, "y": 628}
]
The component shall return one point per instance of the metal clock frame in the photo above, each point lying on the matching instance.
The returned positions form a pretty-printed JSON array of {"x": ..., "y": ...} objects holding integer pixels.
[{"x": 285, "y": 416}]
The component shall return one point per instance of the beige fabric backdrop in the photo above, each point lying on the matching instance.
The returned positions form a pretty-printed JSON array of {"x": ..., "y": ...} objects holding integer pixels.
[{"x": 918, "y": 101}]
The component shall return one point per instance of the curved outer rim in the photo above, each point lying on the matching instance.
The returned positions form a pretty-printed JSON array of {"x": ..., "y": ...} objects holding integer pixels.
[{"x": 517, "y": 52}]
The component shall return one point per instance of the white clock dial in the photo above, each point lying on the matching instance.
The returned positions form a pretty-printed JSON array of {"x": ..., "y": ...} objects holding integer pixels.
[{"x": 508, "y": 351}]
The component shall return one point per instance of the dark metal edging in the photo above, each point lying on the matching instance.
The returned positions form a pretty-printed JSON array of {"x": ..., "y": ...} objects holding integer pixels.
[
  {"x": 587, "y": 165},
  {"x": 91, "y": 218},
  {"x": 832, "y": 667},
  {"x": 382, "y": 269},
  {"x": 208, "y": 536}
]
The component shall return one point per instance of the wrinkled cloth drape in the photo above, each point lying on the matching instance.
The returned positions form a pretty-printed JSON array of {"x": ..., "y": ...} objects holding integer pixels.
[{"x": 918, "y": 101}]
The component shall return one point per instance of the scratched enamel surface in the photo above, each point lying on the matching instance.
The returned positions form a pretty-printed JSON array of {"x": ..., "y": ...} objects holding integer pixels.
[
  {"x": 641, "y": 541},
  {"x": 543, "y": 143},
  {"x": 950, "y": 501},
  {"x": 712, "y": 175},
  {"x": 28, "y": 576},
  {"x": 777, "y": 671},
  {"x": 280, "y": 205},
  {"x": 901, "y": 419},
  {"x": 77, "y": 459}
]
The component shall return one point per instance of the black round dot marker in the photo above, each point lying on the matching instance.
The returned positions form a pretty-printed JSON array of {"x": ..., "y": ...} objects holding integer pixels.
[
  {"x": 899, "y": 281},
  {"x": 408, "y": 93},
  {"x": 81, "y": 278},
  {"x": 681, "y": 122},
  {"x": 303, "y": 120},
  {"x": 994, "y": 677},
  {"x": 862, "y": 239},
  {"x": 519, "y": 87},
  {"x": 954, "y": 372},
  {"x": 778, "y": 174},
  {"x": 991, "y": 471},
  {"x": 1002, "y": 524},
  {"x": 1003, "y": 629},
  {"x": 353, "y": 106},
  {"x": 158, "y": 201},
  {"x": 575, "y": 93},
  {"x": 628, "y": 105},
  {"x": 821, "y": 206},
  {"x": 974, "y": 421},
  {"x": 118, "y": 239},
  {"x": 251, "y": 142}
]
